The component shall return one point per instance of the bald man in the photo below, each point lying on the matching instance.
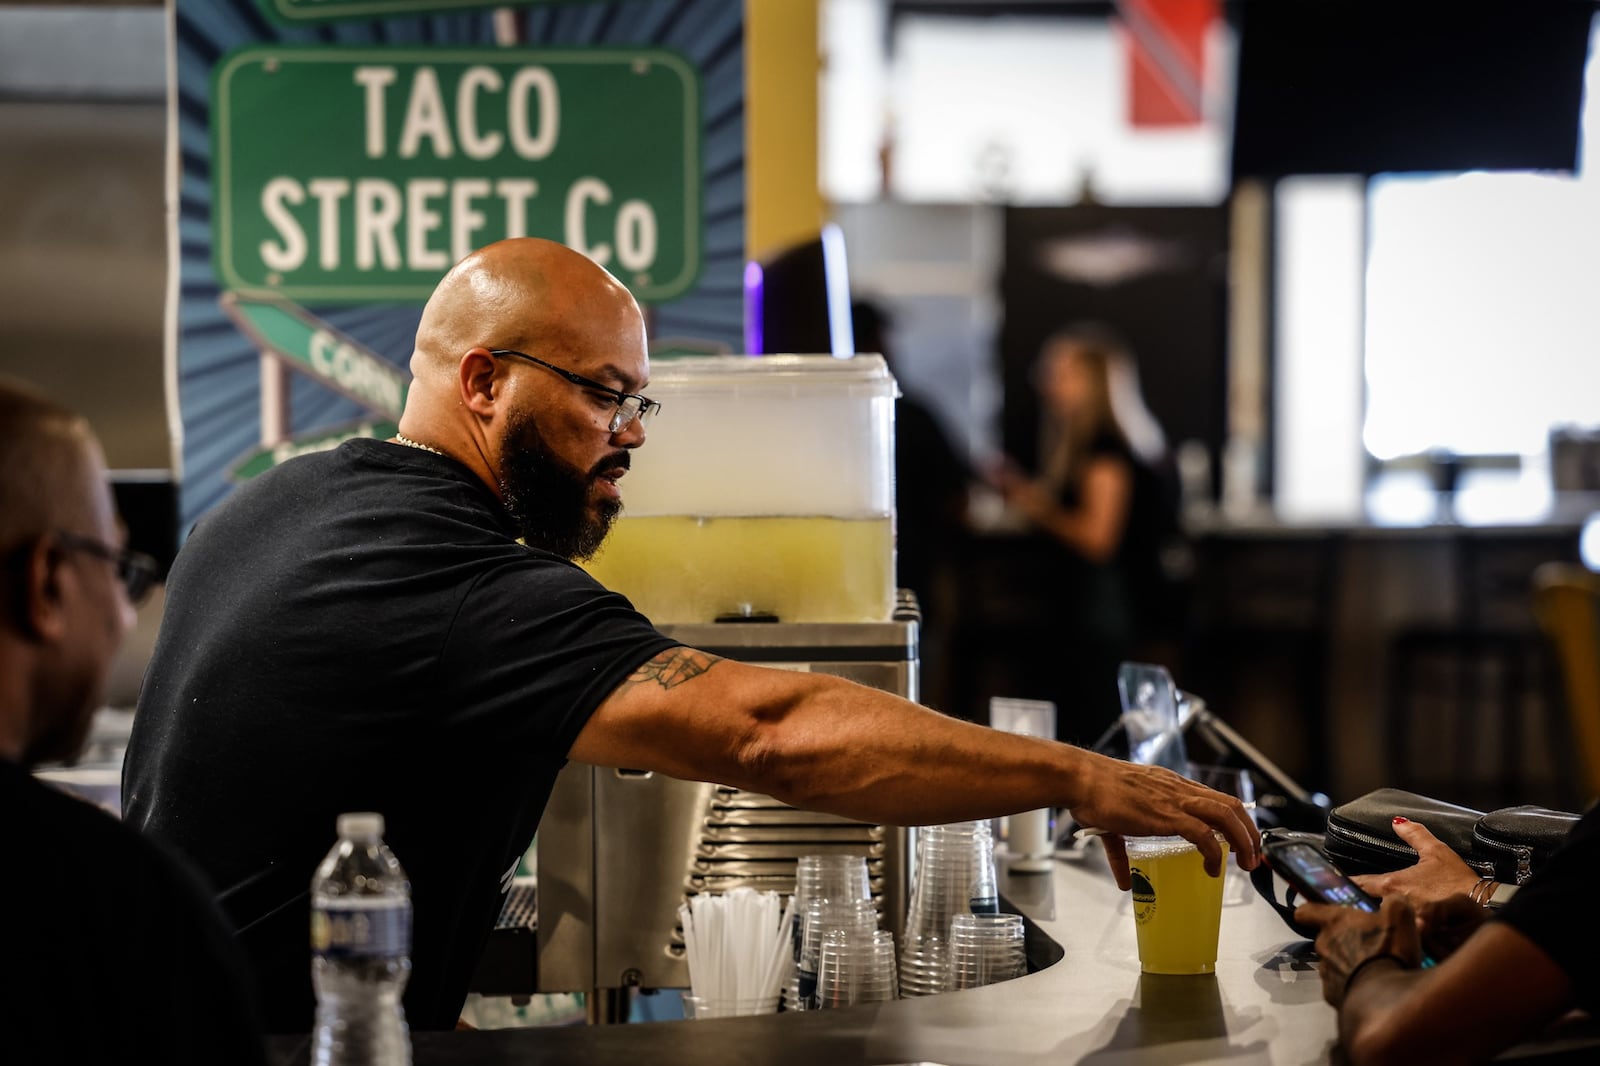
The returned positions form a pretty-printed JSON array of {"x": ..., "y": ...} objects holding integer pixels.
[
  {"x": 114, "y": 951},
  {"x": 398, "y": 626}
]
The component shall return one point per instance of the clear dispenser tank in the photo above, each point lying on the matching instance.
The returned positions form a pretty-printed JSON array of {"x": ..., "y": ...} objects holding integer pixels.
[{"x": 765, "y": 489}]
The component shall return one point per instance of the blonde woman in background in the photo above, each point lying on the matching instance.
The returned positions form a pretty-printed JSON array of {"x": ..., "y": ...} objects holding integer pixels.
[{"x": 1101, "y": 493}]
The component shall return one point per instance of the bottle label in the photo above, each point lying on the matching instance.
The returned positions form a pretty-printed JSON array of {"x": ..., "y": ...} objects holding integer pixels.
[{"x": 354, "y": 929}]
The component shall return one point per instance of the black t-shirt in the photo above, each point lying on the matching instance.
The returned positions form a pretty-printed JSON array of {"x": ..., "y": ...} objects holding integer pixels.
[
  {"x": 1130, "y": 595},
  {"x": 1556, "y": 909},
  {"x": 360, "y": 630},
  {"x": 113, "y": 951}
]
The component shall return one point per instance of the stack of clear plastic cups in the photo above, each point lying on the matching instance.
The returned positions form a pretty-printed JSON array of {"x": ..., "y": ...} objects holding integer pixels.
[
  {"x": 955, "y": 875},
  {"x": 851, "y": 921},
  {"x": 833, "y": 877},
  {"x": 852, "y": 969},
  {"x": 984, "y": 949}
]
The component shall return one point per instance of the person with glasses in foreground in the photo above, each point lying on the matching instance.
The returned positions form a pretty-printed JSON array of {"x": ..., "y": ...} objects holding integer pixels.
[
  {"x": 115, "y": 951},
  {"x": 398, "y": 626}
]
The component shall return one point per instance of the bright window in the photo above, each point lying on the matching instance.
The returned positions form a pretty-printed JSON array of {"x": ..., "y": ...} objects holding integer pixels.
[{"x": 1483, "y": 307}]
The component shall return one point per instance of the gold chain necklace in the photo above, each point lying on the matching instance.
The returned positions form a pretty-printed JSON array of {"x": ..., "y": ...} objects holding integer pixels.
[{"x": 409, "y": 443}]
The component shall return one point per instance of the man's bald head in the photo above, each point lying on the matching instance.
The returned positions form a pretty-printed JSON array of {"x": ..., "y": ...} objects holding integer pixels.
[
  {"x": 523, "y": 293},
  {"x": 534, "y": 422},
  {"x": 48, "y": 468}
]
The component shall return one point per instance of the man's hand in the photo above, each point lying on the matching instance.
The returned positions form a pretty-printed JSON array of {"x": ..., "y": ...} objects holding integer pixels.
[
  {"x": 1349, "y": 938},
  {"x": 1438, "y": 874},
  {"x": 1445, "y": 924},
  {"x": 1130, "y": 800}
]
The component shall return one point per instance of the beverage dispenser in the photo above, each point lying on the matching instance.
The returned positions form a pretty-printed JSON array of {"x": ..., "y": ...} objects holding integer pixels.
[
  {"x": 765, "y": 490},
  {"x": 758, "y": 525}
]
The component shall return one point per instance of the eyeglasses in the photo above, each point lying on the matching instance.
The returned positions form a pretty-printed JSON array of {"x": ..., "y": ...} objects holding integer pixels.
[
  {"x": 630, "y": 405},
  {"x": 136, "y": 570}
]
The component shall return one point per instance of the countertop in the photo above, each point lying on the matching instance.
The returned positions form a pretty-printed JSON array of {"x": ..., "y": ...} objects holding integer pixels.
[{"x": 1264, "y": 1005}]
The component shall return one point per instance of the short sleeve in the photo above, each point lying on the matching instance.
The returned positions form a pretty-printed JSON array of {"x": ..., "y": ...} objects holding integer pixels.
[{"x": 536, "y": 646}]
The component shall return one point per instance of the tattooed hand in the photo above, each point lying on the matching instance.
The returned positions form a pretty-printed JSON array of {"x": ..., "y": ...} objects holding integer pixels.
[{"x": 1350, "y": 938}]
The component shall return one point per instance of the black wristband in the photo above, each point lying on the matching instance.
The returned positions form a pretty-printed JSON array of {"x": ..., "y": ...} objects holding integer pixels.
[{"x": 1350, "y": 978}]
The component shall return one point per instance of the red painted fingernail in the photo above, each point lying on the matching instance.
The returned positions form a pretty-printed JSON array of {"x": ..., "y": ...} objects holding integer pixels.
[{"x": 1399, "y": 820}]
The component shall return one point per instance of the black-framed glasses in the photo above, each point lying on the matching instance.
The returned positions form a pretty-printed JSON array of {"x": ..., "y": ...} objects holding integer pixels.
[
  {"x": 136, "y": 570},
  {"x": 630, "y": 405}
]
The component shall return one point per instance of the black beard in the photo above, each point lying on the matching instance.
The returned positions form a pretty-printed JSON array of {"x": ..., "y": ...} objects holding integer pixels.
[{"x": 548, "y": 498}]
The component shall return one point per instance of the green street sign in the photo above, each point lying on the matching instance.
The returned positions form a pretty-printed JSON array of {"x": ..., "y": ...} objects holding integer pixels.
[
  {"x": 293, "y": 11},
  {"x": 264, "y": 459},
  {"x": 361, "y": 174},
  {"x": 308, "y": 344}
]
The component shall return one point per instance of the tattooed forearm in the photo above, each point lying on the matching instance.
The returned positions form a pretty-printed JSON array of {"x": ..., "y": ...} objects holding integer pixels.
[{"x": 670, "y": 669}]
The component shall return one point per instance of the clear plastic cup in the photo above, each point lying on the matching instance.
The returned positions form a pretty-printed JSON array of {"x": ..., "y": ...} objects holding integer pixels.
[
  {"x": 853, "y": 969},
  {"x": 955, "y": 875},
  {"x": 821, "y": 876},
  {"x": 985, "y": 949},
  {"x": 851, "y": 921},
  {"x": 831, "y": 877},
  {"x": 1177, "y": 906}
]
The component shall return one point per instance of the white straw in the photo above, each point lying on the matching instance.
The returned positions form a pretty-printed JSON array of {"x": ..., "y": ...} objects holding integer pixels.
[{"x": 738, "y": 945}]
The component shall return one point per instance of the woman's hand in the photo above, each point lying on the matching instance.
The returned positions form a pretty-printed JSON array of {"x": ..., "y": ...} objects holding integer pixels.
[{"x": 1439, "y": 873}]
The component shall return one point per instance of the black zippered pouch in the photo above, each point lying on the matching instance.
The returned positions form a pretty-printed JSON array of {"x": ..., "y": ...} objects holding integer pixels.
[
  {"x": 1519, "y": 840},
  {"x": 1361, "y": 839},
  {"x": 1509, "y": 844}
]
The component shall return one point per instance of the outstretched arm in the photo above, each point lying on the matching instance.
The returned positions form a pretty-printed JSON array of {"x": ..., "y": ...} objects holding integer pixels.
[{"x": 828, "y": 744}]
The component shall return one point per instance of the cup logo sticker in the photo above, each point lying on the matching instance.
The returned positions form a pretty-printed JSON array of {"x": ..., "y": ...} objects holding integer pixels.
[{"x": 1144, "y": 897}]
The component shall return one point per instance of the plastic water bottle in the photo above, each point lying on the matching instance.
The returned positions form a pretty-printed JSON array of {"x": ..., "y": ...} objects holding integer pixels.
[{"x": 360, "y": 949}]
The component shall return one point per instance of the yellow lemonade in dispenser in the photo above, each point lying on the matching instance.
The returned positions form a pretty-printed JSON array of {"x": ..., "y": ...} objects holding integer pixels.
[{"x": 799, "y": 568}]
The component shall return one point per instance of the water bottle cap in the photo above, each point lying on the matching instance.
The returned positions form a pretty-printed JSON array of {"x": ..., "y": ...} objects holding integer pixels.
[{"x": 360, "y": 824}]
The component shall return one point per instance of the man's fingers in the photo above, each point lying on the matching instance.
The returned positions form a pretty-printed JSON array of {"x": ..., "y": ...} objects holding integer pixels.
[
  {"x": 1243, "y": 836},
  {"x": 1117, "y": 857},
  {"x": 1201, "y": 836},
  {"x": 1448, "y": 911},
  {"x": 1227, "y": 816},
  {"x": 1397, "y": 911}
]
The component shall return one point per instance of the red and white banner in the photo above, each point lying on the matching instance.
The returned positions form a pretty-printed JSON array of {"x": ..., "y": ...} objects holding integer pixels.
[{"x": 1166, "y": 42}]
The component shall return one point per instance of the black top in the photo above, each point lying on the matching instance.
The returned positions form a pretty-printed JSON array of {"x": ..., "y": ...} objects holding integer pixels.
[
  {"x": 360, "y": 630},
  {"x": 1556, "y": 909},
  {"x": 113, "y": 951},
  {"x": 1130, "y": 595}
]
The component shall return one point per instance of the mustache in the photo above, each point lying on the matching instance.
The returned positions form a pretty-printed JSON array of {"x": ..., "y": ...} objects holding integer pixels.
[{"x": 619, "y": 460}]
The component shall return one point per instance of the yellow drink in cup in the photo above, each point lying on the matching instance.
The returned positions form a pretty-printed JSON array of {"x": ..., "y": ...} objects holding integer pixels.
[{"x": 1176, "y": 905}]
